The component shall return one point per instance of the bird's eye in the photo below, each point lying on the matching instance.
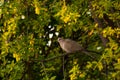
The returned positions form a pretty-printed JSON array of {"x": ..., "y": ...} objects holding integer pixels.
[{"x": 59, "y": 39}]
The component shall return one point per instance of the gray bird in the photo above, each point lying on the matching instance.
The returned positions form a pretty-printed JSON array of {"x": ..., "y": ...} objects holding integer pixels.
[{"x": 70, "y": 46}]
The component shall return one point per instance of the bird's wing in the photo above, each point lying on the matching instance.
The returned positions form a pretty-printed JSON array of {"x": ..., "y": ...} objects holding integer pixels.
[{"x": 72, "y": 45}]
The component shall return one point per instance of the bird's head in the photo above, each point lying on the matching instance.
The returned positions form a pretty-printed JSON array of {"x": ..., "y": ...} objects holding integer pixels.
[{"x": 60, "y": 39}]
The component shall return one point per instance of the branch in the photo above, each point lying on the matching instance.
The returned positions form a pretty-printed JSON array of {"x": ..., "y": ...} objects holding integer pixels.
[
  {"x": 87, "y": 52},
  {"x": 52, "y": 58},
  {"x": 100, "y": 24},
  {"x": 109, "y": 21}
]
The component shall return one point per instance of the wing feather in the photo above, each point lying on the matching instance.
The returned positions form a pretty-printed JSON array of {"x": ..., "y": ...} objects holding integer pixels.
[{"x": 71, "y": 46}]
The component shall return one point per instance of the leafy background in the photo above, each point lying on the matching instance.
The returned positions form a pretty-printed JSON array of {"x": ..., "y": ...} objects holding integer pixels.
[{"x": 28, "y": 39}]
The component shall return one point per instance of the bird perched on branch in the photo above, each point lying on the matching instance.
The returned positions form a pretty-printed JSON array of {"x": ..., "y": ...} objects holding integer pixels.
[{"x": 71, "y": 46}]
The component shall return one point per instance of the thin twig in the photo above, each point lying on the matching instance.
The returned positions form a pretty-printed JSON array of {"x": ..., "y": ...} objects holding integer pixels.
[{"x": 52, "y": 58}]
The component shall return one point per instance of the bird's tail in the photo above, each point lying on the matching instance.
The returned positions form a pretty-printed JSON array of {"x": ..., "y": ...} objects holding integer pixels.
[{"x": 88, "y": 53}]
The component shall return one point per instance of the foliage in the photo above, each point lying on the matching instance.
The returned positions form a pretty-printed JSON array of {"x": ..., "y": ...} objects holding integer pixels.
[{"x": 28, "y": 39}]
